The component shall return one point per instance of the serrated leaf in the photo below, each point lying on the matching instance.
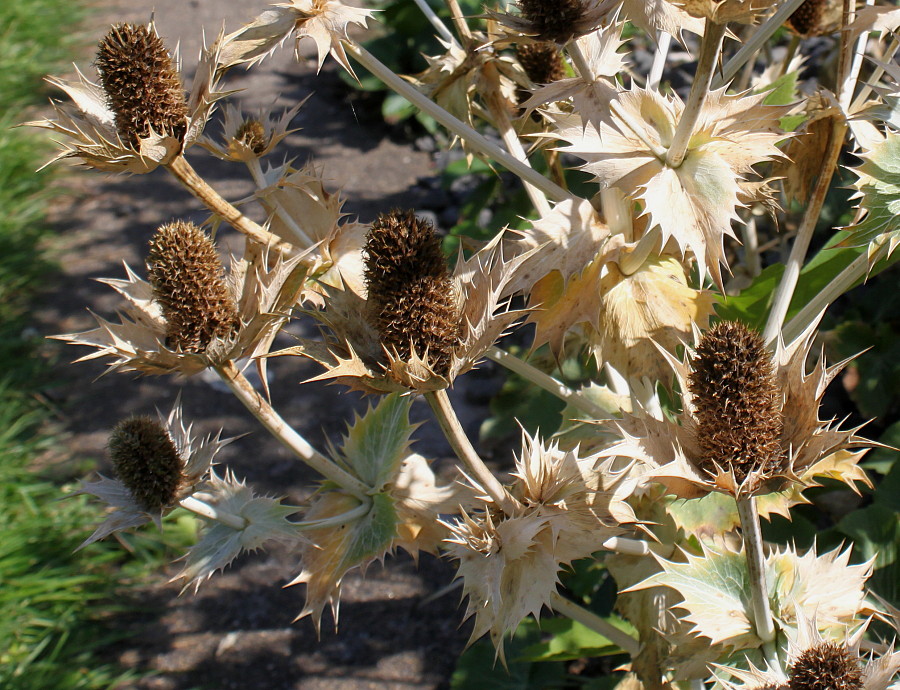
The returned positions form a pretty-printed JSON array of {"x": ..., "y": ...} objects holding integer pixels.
[
  {"x": 377, "y": 442},
  {"x": 571, "y": 640},
  {"x": 879, "y": 187}
]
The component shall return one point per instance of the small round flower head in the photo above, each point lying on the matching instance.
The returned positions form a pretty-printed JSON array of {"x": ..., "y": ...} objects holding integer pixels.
[
  {"x": 411, "y": 299},
  {"x": 142, "y": 85},
  {"x": 542, "y": 62},
  {"x": 736, "y": 401},
  {"x": 553, "y": 20},
  {"x": 252, "y": 134},
  {"x": 146, "y": 462},
  {"x": 189, "y": 282},
  {"x": 827, "y": 666}
]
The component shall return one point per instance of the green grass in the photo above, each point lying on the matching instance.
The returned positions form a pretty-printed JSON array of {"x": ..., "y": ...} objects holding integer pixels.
[{"x": 53, "y": 602}]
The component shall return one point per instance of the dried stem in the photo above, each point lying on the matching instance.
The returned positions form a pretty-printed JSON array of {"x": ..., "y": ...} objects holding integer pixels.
[
  {"x": 710, "y": 48},
  {"x": 272, "y": 421},
  {"x": 205, "y": 510},
  {"x": 659, "y": 60},
  {"x": 450, "y": 425},
  {"x": 303, "y": 240},
  {"x": 531, "y": 373},
  {"x": 753, "y": 549},
  {"x": 185, "y": 174},
  {"x": 459, "y": 21},
  {"x": 475, "y": 140},
  {"x": 336, "y": 520},
  {"x": 436, "y": 22},
  {"x": 592, "y": 621},
  {"x": 788, "y": 283}
]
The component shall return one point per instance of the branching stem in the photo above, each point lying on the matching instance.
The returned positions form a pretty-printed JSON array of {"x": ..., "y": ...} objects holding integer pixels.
[
  {"x": 280, "y": 429},
  {"x": 208, "y": 512},
  {"x": 450, "y": 425},
  {"x": 303, "y": 240},
  {"x": 592, "y": 621}
]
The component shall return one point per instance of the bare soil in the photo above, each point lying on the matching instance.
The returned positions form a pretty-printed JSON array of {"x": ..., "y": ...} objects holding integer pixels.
[{"x": 237, "y": 632}]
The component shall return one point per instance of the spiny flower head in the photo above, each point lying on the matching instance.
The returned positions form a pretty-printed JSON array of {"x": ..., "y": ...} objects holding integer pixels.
[
  {"x": 736, "y": 402},
  {"x": 410, "y": 296},
  {"x": 146, "y": 461},
  {"x": 142, "y": 84},
  {"x": 542, "y": 62},
  {"x": 252, "y": 134},
  {"x": 552, "y": 20},
  {"x": 827, "y": 666},
  {"x": 189, "y": 283}
]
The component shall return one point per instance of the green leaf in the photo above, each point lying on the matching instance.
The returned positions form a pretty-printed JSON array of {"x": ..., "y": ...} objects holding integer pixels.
[
  {"x": 888, "y": 492},
  {"x": 882, "y": 460},
  {"x": 571, "y": 640},
  {"x": 782, "y": 91},
  {"x": 373, "y": 534},
  {"x": 879, "y": 184},
  {"x": 395, "y": 108},
  {"x": 875, "y": 532},
  {"x": 751, "y": 306},
  {"x": 377, "y": 442}
]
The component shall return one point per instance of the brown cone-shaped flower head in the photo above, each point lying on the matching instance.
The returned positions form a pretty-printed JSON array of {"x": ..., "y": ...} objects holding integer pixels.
[
  {"x": 411, "y": 300},
  {"x": 252, "y": 134},
  {"x": 141, "y": 83},
  {"x": 827, "y": 666},
  {"x": 553, "y": 20},
  {"x": 542, "y": 62},
  {"x": 735, "y": 395},
  {"x": 189, "y": 282},
  {"x": 806, "y": 18},
  {"x": 147, "y": 462}
]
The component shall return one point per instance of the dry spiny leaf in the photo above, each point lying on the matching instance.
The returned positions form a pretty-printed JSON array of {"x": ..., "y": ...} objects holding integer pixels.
[
  {"x": 735, "y": 394},
  {"x": 141, "y": 83},
  {"x": 411, "y": 298},
  {"x": 146, "y": 461},
  {"x": 189, "y": 282},
  {"x": 827, "y": 666}
]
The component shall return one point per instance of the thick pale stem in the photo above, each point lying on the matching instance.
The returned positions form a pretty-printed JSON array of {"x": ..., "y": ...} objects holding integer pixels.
[
  {"x": 204, "y": 510},
  {"x": 755, "y": 42},
  {"x": 756, "y": 567},
  {"x": 785, "y": 291},
  {"x": 710, "y": 48},
  {"x": 838, "y": 285},
  {"x": 475, "y": 140},
  {"x": 751, "y": 247},
  {"x": 647, "y": 245},
  {"x": 592, "y": 621},
  {"x": 849, "y": 83},
  {"x": 450, "y": 425},
  {"x": 280, "y": 429},
  {"x": 459, "y": 22},
  {"x": 497, "y": 107},
  {"x": 335, "y": 520},
  {"x": 659, "y": 60},
  {"x": 436, "y": 22},
  {"x": 185, "y": 174},
  {"x": 627, "y": 547},
  {"x": 845, "y": 56},
  {"x": 303, "y": 240},
  {"x": 548, "y": 383}
]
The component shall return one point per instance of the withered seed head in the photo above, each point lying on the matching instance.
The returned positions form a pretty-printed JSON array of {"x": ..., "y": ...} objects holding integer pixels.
[
  {"x": 141, "y": 83},
  {"x": 542, "y": 62},
  {"x": 736, "y": 399},
  {"x": 253, "y": 134},
  {"x": 807, "y": 17},
  {"x": 827, "y": 666},
  {"x": 411, "y": 298},
  {"x": 146, "y": 462},
  {"x": 189, "y": 282},
  {"x": 553, "y": 20}
]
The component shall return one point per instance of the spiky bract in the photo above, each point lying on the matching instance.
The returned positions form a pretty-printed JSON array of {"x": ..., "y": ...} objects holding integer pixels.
[
  {"x": 553, "y": 20},
  {"x": 410, "y": 295},
  {"x": 542, "y": 62},
  {"x": 827, "y": 666},
  {"x": 737, "y": 403},
  {"x": 189, "y": 282},
  {"x": 141, "y": 83},
  {"x": 146, "y": 462}
]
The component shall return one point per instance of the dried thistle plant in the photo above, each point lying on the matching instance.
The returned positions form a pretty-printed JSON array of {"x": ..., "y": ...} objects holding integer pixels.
[{"x": 656, "y": 483}]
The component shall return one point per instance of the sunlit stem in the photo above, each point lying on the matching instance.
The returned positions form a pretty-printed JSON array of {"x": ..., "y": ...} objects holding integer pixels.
[
  {"x": 836, "y": 287},
  {"x": 756, "y": 568},
  {"x": 208, "y": 512},
  {"x": 450, "y": 425},
  {"x": 592, "y": 621},
  {"x": 755, "y": 42},
  {"x": 647, "y": 245},
  {"x": 531, "y": 373},
  {"x": 849, "y": 83},
  {"x": 436, "y": 22},
  {"x": 281, "y": 430},
  {"x": 710, "y": 48},
  {"x": 617, "y": 212},
  {"x": 789, "y": 55},
  {"x": 659, "y": 60},
  {"x": 335, "y": 520},
  {"x": 459, "y": 21},
  {"x": 628, "y": 547},
  {"x": 750, "y": 240},
  {"x": 876, "y": 75},
  {"x": 791, "y": 276},
  {"x": 185, "y": 174},
  {"x": 497, "y": 106},
  {"x": 475, "y": 140},
  {"x": 303, "y": 240}
]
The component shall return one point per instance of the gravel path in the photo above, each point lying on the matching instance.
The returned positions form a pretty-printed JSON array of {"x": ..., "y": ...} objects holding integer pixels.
[{"x": 238, "y": 631}]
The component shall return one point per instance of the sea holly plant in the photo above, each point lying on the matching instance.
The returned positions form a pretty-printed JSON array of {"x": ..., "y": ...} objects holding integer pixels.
[{"x": 646, "y": 517}]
